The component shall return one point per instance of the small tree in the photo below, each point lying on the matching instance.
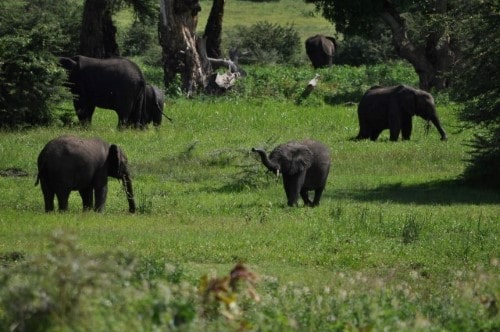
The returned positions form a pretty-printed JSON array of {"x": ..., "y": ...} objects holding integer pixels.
[
  {"x": 30, "y": 79},
  {"x": 477, "y": 84}
]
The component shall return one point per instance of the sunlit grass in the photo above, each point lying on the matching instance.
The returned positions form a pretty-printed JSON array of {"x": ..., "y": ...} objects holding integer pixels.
[{"x": 395, "y": 233}]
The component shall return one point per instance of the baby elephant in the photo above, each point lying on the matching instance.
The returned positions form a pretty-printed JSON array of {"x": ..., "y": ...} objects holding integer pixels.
[
  {"x": 304, "y": 165},
  {"x": 71, "y": 163}
]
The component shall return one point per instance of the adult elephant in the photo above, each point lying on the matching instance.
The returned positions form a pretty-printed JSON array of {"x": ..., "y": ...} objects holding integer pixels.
[
  {"x": 70, "y": 163},
  {"x": 114, "y": 83},
  {"x": 320, "y": 49},
  {"x": 305, "y": 166},
  {"x": 393, "y": 108}
]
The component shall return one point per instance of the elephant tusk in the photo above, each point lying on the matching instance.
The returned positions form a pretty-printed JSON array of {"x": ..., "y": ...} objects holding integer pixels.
[{"x": 278, "y": 173}]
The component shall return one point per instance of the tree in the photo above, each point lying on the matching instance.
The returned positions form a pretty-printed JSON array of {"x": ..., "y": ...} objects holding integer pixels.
[
  {"x": 420, "y": 31},
  {"x": 477, "y": 84},
  {"x": 31, "y": 32},
  {"x": 213, "y": 29},
  {"x": 186, "y": 54},
  {"x": 177, "y": 29},
  {"x": 98, "y": 33}
]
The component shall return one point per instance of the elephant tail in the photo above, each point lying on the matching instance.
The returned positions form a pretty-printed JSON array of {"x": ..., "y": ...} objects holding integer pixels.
[{"x": 37, "y": 179}]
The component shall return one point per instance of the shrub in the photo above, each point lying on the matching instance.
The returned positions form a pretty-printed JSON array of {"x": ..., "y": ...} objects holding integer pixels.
[
  {"x": 357, "y": 50},
  {"x": 139, "y": 38},
  {"x": 30, "y": 79},
  {"x": 265, "y": 42}
]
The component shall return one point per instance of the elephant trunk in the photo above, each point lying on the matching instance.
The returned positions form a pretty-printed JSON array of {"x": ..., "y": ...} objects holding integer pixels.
[
  {"x": 271, "y": 165},
  {"x": 435, "y": 121},
  {"x": 127, "y": 185}
]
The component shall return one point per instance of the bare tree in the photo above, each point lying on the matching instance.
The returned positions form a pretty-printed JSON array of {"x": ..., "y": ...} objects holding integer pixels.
[{"x": 177, "y": 33}]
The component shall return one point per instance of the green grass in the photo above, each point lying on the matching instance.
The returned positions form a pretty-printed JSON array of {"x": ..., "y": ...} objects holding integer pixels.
[
  {"x": 295, "y": 12},
  {"x": 395, "y": 235}
]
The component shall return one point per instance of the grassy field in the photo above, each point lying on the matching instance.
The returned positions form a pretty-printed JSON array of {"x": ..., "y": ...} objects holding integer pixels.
[
  {"x": 397, "y": 242},
  {"x": 295, "y": 12}
]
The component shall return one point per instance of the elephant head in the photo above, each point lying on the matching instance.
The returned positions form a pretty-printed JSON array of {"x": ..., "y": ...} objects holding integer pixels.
[
  {"x": 421, "y": 103},
  {"x": 303, "y": 165},
  {"x": 118, "y": 168},
  {"x": 70, "y": 163}
]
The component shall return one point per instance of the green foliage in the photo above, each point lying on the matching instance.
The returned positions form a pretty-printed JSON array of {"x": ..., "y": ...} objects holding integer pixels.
[
  {"x": 139, "y": 38},
  {"x": 266, "y": 42},
  {"x": 358, "y": 50},
  {"x": 68, "y": 289},
  {"x": 338, "y": 84},
  {"x": 479, "y": 34},
  {"x": 30, "y": 79}
]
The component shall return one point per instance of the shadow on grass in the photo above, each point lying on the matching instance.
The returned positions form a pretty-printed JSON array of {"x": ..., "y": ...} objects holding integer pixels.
[
  {"x": 436, "y": 192},
  {"x": 350, "y": 98}
]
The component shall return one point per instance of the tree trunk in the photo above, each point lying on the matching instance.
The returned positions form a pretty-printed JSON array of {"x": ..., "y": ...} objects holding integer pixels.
[
  {"x": 213, "y": 29},
  {"x": 177, "y": 33},
  {"x": 432, "y": 62},
  {"x": 98, "y": 34}
]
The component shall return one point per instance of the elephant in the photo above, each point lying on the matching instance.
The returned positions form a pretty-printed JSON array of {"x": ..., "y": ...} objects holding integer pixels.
[
  {"x": 69, "y": 163},
  {"x": 304, "y": 165},
  {"x": 320, "y": 49},
  {"x": 154, "y": 103},
  {"x": 393, "y": 108},
  {"x": 113, "y": 83}
]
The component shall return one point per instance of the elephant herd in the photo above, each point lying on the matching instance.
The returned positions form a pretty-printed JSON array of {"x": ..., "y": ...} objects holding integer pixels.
[{"x": 70, "y": 163}]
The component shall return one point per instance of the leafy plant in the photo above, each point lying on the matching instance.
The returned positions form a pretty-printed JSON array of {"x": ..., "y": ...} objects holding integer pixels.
[{"x": 266, "y": 42}]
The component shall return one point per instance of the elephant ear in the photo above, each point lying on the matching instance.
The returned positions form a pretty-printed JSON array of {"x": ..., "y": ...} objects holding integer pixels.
[
  {"x": 294, "y": 158},
  {"x": 332, "y": 40},
  {"x": 115, "y": 161},
  {"x": 407, "y": 99}
]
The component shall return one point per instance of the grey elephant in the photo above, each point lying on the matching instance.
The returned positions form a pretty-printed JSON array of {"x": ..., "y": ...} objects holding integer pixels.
[
  {"x": 114, "y": 83},
  {"x": 304, "y": 165},
  {"x": 393, "y": 108},
  {"x": 154, "y": 103},
  {"x": 320, "y": 49},
  {"x": 69, "y": 163}
]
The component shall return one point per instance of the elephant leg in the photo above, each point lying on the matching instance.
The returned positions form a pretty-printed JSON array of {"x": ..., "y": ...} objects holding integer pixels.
[
  {"x": 62, "y": 199},
  {"x": 305, "y": 197},
  {"x": 406, "y": 127},
  {"x": 394, "y": 127},
  {"x": 293, "y": 185},
  {"x": 291, "y": 190},
  {"x": 317, "y": 196},
  {"x": 85, "y": 114},
  {"x": 100, "y": 198},
  {"x": 87, "y": 198},
  {"x": 375, "y": 134},
  {"x": 48, "y": 196},
  {"x": 394, "y": 135}
]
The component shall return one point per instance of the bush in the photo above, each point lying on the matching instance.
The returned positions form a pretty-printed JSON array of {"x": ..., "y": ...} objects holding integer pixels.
[
  {"x": 357, "y": 50},
  {"x": 139, "y": 38},
  {"x": 480, "y": 52},
  {"x": 30, "y": 78},
  {"x": 265, "y": 42}
]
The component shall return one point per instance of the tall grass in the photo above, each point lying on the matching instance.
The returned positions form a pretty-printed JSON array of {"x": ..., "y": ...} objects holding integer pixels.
[{"x": 396, "y": 243}]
